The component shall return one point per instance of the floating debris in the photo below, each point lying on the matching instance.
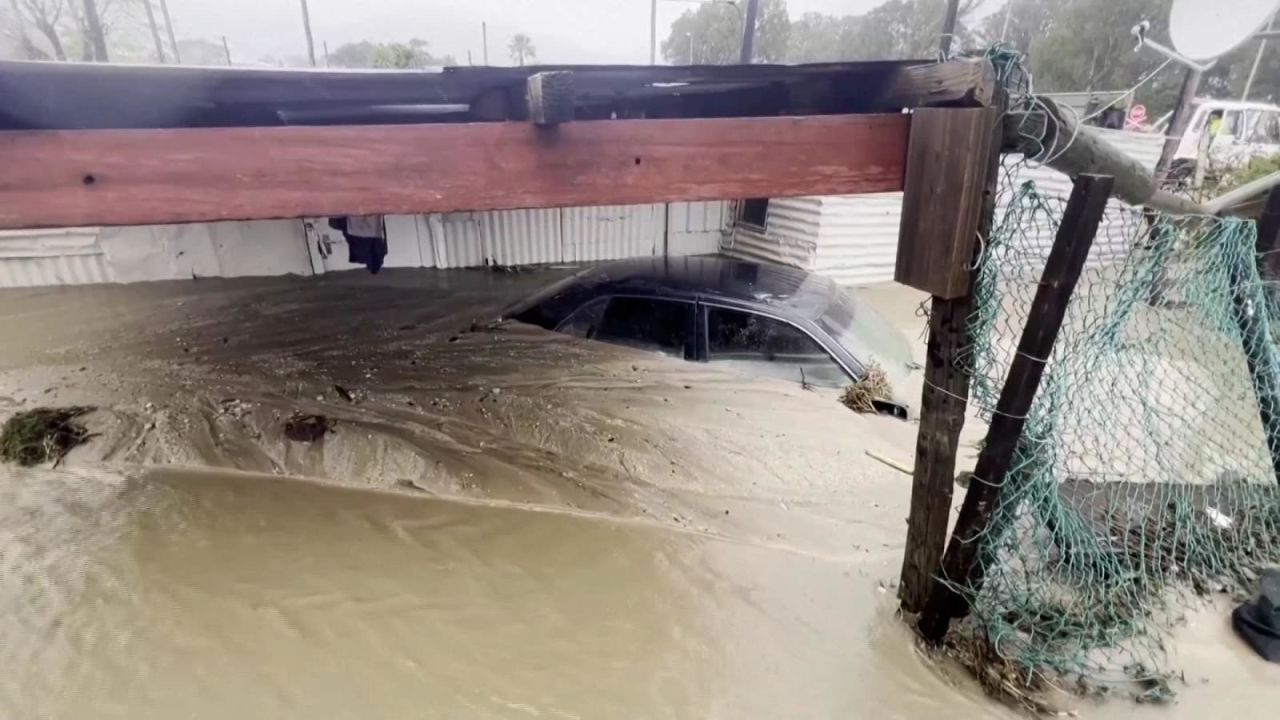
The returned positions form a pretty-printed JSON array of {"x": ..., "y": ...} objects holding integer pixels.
[
  {"x": 861, "y": 396},
  {"x": 43, "y": 434}
]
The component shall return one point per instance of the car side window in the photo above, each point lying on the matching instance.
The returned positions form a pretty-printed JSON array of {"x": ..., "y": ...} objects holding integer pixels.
[
  {"x": 761, "y": 345},
  {"x": 665, "y": 326},
  {"x": 585, "y": 321}
]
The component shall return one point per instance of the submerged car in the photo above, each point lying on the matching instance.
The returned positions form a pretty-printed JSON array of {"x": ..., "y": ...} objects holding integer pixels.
[{"x": 757, "y": 318}]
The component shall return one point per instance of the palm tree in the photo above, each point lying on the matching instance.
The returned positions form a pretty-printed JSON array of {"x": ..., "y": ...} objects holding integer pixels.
[{"x": 521, "y": 47}]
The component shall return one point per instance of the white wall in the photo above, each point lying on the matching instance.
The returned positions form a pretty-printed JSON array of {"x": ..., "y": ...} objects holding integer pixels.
[
  {"x": 854, "y": 238},
  {"x": 278, "y": 247},
  {"x": 225, "y": 249}
]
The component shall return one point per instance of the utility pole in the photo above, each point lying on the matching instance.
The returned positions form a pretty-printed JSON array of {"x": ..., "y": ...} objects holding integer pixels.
[
  {"x": 653, "y": 32},
  {"x": 155, "y": 31},
  {"x": 749, "y": 32},
  {"x": 689, "y": 36},
  {"x": 1178, "y": 122},
  {"x": 306, "y": 27},
  {"x": 168, "y": 23},
  {"x": 226, "y": 49},
  {"x": 325, "y": 45},
  {"x": 484, "y": 38},
  {"x": 97, "y": 38},
  {"x": 469, "y": 61},
  {"x": 1257, "y": 60},
  {"x": 949, "y": 26}
]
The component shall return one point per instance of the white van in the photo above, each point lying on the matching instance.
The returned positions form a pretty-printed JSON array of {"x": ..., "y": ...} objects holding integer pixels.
[{"x": 1246, "y": 130}]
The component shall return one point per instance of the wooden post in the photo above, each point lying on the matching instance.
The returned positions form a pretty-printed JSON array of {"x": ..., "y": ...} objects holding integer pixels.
[
  {"x": 959, "y": 155},
  {"x": 1258, "y": 345},
  {"x": 551, "y": 98},
  {"x": 1061, "y": 271}
]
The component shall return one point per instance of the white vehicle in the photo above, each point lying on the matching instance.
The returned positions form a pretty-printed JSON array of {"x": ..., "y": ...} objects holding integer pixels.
[{"x": 1225, "y": 134}]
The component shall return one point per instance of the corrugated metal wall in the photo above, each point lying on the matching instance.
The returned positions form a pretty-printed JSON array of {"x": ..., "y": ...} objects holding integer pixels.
[
  {"x": 1113, "y": 237},
  {"x": 854, "y": 238},
  {"x": 52, "y": 257},
  {"x": 520, "y": 237},
  {"x": 275, "y": 247},
  {"x": 858, "y": 240},
  {"x": 579, "y": 234},
  {"x": 609, "y": 232},
  {"x": 791, "y": 234},
  {"x": 696, "y": 228}
]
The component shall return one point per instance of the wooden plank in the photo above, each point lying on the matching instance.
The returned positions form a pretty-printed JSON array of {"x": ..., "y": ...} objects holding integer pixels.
[
  {"x": 65, "y": 96},
  {"x": 956, "y": 83},
  {"x": 1255, "y": 337},
  {"x": 1062, "y": 269},
  {"x": 129, "y": 177},
  {"x": 943, "y": 404},
  {"x": 947, "y": 168}
]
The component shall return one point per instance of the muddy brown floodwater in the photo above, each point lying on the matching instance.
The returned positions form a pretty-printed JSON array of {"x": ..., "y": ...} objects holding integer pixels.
[{"x": 504, "y": 523}]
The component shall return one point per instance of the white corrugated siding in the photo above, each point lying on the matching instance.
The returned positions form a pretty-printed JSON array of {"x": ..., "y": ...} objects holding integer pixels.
[
  {"x": 521, "y": 237},
  {"x": 609, "y": 232},
  {"x": 457, "y": 239},
  {"x": 854, "y": 238},
  {"x": 1112, "y": 238},
  {"x": 791, "y": 235},
  {"x": 223, "y": 249},
  {"x": 696, "y": 228},
  {"x": 31, "y": 258},
  {"x": 858, "y": 238},
  {"x": 272, "y": 247}
]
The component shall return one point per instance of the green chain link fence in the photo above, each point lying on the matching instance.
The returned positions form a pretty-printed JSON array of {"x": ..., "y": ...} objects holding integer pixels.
[{"x": 1143, "y": 480}]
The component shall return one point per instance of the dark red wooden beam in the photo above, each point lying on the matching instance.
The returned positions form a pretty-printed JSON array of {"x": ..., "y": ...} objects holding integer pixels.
[{"x": 134, "y": 177}]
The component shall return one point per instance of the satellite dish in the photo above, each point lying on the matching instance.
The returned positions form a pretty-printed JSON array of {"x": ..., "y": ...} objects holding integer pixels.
[{"x": 1206, "y": 29}]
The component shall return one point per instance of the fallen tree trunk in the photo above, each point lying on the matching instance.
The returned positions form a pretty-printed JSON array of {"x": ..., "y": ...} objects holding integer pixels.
[{"x": 1046, "y": 134}]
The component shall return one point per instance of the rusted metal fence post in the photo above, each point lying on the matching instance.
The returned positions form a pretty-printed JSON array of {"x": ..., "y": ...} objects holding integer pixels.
[{"x": 1057, "y": 283}]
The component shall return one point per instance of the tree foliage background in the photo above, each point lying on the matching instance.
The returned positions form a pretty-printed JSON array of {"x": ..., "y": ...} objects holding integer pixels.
[
  {"x": 1071, "y": 46},
  {"x": 366, "y": 54}
]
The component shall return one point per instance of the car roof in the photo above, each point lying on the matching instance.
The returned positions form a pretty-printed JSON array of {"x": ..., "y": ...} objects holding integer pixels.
[
  {"x": 1214, "y": 104},
  {"x": 740, "y": 282}
]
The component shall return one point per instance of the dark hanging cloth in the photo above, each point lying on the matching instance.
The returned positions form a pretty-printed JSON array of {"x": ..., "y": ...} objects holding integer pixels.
[
  {"x": 1258, "y": 622},
  {"x": 366, "y": 237}
]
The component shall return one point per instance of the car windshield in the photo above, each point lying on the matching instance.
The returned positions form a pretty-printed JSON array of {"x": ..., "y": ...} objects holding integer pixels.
[{"x": 867, "y": 335}]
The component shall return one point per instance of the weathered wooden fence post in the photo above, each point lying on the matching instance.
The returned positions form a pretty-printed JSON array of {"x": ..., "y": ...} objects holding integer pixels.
[
  {"x": 953, "y": 159},
  {"x": 1062, "y": 270}
]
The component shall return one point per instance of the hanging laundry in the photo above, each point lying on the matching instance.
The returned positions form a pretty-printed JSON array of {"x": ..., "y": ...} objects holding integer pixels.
[{"x": 366, "y": 237}]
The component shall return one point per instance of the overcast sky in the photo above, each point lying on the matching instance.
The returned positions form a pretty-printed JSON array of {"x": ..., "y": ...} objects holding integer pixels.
[{"x": 563, "y": 31}]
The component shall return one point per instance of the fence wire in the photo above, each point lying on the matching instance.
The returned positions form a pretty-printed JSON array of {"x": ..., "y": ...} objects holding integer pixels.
[{"x": 1143, "y": 478}]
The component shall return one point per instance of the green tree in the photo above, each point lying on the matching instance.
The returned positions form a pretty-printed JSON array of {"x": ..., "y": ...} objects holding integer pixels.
[
  {"x": 898, "y": 29},
  {"x": 366, "y": 54},
  {"x": 353, "y": 55},
  {"x": 712, "y": 34},
  {"x": 521, "y": 49}
]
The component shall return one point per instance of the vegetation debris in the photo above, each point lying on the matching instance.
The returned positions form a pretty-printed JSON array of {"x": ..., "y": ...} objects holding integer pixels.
[
  {"x": 43, "y": 434},
  {"x": 861, "y": 396}
]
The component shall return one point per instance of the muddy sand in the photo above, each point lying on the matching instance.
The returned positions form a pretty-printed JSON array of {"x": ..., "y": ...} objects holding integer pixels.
[{"x": 502, "y": 523}]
